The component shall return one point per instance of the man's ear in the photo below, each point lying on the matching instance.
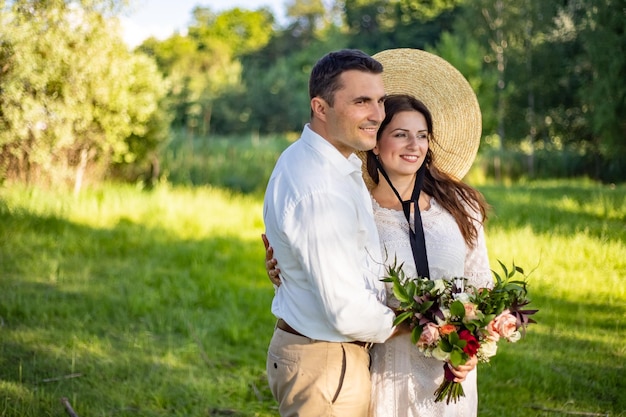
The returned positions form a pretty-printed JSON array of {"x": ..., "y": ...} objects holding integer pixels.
[{"x": 319, "y": 107}]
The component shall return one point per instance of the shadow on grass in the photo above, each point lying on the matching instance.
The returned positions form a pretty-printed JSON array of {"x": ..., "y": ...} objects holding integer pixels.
[
  {"x": 553, "y": 370},
  {"x": 130, "y": 320},
  {"x": 133, "y": 320},
  {"x": 560, "y": 209}
]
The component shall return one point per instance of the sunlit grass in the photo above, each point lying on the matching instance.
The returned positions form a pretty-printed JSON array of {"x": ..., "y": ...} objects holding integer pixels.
[
  {"x": 571, "y": 238},
  {"x": 132, "y": 302},
  {"x": 138, "y": 292}
]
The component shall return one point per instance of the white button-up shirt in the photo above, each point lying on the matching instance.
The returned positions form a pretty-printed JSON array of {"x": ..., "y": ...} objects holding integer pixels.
[{"x": 319, "y": 220}]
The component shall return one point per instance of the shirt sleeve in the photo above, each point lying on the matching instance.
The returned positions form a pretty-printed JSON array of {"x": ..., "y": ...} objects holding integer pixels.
[{"x": 330, "y": 240}]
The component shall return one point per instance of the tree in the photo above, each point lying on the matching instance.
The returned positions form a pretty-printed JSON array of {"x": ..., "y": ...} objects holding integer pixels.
[
  {"x": 376, "y": 25},
  {"x": 204, "y": 66},
  {"x": 466, "y": 55},
  {"x": 276, "y": 77},
  {"x": 244, "y": 31},
  {"x": 307, "y": 17},
  {"x": 530, "y": 45},
  {"x": 604, "y": 41},
  {"x": 71, "y": 98}
]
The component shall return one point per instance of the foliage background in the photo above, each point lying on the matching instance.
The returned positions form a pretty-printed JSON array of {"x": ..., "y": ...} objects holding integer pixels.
[
  {"x": 147, "y": 296},
  {"x": 79, "y": 106}
]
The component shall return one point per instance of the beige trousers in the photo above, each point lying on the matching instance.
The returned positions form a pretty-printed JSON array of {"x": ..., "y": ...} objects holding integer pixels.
[{"x": 311, "y": 378}]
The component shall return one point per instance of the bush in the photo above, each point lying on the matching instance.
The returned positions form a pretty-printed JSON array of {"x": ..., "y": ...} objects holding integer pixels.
[{"x": 242, "y": 163}]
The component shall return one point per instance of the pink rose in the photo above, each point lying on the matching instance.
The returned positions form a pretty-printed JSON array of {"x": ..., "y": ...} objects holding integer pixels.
[
  {"x": 505, "y": 324},
  {"x": 429, "y": 337},
  {"x": 470, "y": 312},
  {"x": 493, "y": 335}
]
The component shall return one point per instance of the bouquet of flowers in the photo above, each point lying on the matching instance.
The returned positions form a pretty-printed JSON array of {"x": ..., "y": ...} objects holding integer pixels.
[{"x": 453, "y": 321}]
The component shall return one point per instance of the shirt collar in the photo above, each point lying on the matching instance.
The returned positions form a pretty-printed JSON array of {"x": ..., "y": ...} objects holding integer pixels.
[{"x": 346, "y": 166}]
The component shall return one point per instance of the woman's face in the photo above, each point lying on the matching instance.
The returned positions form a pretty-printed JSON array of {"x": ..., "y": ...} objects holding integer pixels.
[{"x": 403, "y": 144}]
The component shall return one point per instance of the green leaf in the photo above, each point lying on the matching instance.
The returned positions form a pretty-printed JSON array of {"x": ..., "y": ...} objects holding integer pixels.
[
  {"x": 445, "y": 345},
  {"x": 399, "y": 292},
  {"x": 411, "y": 289},
  {"x": 402, "y": 317},
  {"x": 456, "y": 358},
  {"x": 457, "y": 309},
  {"x": 416, "y": 334},
  {"x": 489, "y": 317},
  {"x": 506, "y": 271},
  {"x": 425, "y": 306}
]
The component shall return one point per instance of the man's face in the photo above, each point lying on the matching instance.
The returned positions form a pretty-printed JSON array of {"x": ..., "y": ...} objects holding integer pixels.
[{"x": 358, "y": 110}]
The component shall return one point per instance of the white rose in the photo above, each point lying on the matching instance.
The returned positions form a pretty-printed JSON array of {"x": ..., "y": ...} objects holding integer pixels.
[
  {"x": 439, "y": 286},
  {"x": 440, "y": 354},
  {"x": 488, "y": 348},
  {"x": 514, "y": 337},
  {"x": 462, "y": 297}
]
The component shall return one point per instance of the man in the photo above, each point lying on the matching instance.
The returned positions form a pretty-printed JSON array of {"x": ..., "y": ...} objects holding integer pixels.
[{"x": 318, "y": 218}]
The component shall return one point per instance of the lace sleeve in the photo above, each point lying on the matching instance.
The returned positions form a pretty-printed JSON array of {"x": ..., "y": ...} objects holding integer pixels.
[{"x": 477, "y": 268}]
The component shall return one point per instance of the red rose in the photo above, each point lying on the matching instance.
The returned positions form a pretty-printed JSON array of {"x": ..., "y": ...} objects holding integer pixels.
[{"x": 472, "y": 343}]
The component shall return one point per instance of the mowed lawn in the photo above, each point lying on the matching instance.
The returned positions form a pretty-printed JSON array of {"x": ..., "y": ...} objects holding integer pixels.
[{"x": 128, "y": 302}]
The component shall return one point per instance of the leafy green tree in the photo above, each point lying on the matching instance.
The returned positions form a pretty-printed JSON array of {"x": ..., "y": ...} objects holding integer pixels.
[
  {"x": 558, "y": 90},
  {"x": 243, "y": 30},
  {"x": 307, "y": 17},
  {"x": 276, "y": 77},
  {"x": 73, "y": 95},
  {"x": 466, "y": 55},
  {"x": 603, "y": 40},
  {"x": 376, "y": 25},
  {"x": 153, "y": 121},
  {"x": 203, "y": 66},
  {"x": 529, "y": 45},
  {"x": 277, "y": 97}
]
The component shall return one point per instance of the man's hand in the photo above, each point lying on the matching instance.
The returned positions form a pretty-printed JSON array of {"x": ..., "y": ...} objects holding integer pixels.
[{"x": 270, "y": 263}]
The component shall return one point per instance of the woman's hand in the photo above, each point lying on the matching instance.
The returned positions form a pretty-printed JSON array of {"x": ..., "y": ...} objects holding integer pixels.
[
  {"x": 270, "y": 263},
  {"x": 461, "y": 371},
  {"x": 402, "y": 328}
]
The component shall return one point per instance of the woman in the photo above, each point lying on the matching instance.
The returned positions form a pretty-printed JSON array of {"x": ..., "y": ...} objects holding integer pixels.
[
  {"x": 403, "y": 379},
  {"x": 452, "y": 215}
]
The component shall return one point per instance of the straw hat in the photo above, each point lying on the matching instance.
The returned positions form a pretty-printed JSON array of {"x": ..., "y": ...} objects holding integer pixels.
[{"x": 457, "y": 122}]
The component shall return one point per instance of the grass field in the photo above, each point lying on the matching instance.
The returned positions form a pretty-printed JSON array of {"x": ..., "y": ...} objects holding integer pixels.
[{"x": 136, "y": 303}]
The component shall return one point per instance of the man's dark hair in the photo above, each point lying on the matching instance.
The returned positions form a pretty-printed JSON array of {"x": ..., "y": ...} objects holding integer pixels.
[{"x": 324, "y": 80}]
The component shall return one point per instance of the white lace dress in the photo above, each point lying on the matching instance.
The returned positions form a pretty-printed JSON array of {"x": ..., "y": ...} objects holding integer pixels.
[{"x": 403, "y": 379}]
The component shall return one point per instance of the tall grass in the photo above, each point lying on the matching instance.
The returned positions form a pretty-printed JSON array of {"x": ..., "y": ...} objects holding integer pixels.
[
  {"x": 239, "y": 163},
  {"x": 137, "y": 303}
]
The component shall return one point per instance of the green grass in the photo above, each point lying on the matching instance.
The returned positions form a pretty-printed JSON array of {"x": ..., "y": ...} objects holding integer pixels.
[
  {"x": 137, "y": 303},
  {"x": 573, "y": 234},
  {"x": 241, "y": 163},
  {"x": 158, "y": 300}
]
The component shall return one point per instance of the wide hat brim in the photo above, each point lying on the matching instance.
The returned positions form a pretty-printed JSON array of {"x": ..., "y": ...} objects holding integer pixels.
[{"x": 457, "y": 121}]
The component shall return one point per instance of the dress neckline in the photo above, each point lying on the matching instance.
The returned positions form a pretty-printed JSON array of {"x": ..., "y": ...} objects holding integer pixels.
[{"x": 433, "y": 205}]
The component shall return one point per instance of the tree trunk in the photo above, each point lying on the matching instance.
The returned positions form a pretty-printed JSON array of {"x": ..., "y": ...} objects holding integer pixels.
[
  {"x": 532, "y": 131},
  {"x": 80, "y": 170}
]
